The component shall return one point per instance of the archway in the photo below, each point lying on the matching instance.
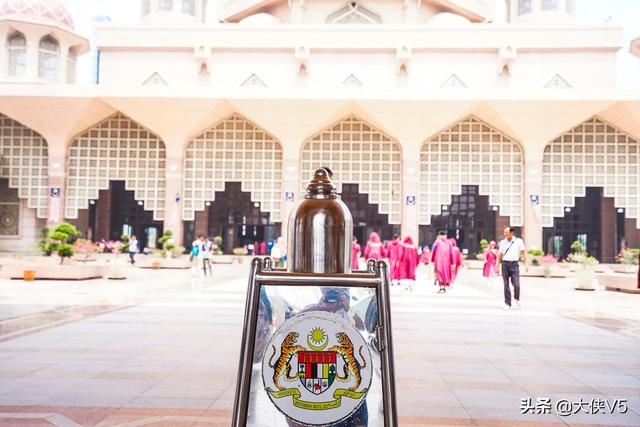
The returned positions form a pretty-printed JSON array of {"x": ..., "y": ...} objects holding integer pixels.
[
  {"x": 595, "y": 222},
  {"x": 366, "y": 218},
  {"x": 233, "y": 216},
  {"x": 469, "y": 218},
  {"x": 116, "y": 212},
  {"x": 359, "y": 154}
]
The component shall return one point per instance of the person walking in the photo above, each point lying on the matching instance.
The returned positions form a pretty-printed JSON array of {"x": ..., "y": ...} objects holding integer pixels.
[
  {"x": 511, "y": 250},
  {"x": 457, "y": 259},
  {"x": 407, "y": 263},
  {"x": 443, "y": 261},
  {"x": 393, "y": 253},
  {"x": 195, "y": 255},
  {"x": 489, "y": 269},
  {"x": 355, "y": 253},
  {"x": 133, "y": 248},
  {"x": 374, "y": 248},
  {"x": 206, "y": 249}
]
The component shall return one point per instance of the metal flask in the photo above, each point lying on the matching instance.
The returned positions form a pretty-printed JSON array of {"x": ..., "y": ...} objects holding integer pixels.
[
  {"x": 317, "y": 348},
  {"x": 320, "y": 230}
]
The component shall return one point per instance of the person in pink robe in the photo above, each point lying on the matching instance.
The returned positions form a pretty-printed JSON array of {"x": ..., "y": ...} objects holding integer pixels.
[
  {"x": 425, "y": 256},
  {"x": 374, "y": 248},
  {"x": 355, "y": 254},
  {"x": 457, "y": 259},
  {"x": 393, "y": 252},
  {"x": 408, "y": 261},
  {"x": 490, "y": 257},
  {"x": 443, "y": 261}
]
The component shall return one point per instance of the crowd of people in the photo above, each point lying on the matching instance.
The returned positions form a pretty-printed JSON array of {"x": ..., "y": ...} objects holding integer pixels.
[{"x": 445, "y": 257}]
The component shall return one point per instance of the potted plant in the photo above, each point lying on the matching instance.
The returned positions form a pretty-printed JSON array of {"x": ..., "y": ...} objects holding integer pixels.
[
  {"x": 484, "y": 244},
  {"x": 168, "y": 245},
  {"x": 547, "y": 261},
  {"x": 217, "y": 245},
  {"x": 629, "y": 259},
  {"x": 584, "y": 275},
  {"x": 64, "y": 235},
  {"x": 534, "y": 255}
]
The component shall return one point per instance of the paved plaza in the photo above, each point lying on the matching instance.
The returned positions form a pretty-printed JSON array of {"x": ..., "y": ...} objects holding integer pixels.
[{"x": 161, "y": 348}]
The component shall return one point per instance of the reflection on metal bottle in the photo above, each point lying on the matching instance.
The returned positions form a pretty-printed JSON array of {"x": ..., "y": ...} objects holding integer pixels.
[{"x": 320, "y": 230}]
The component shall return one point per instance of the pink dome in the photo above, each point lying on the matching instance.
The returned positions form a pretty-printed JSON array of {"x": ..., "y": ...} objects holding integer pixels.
[{"x": 49, "y": 12}]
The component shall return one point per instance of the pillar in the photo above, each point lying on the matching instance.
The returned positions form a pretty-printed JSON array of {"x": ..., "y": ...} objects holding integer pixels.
[
  {"x": 410, "y": 191},
  {"x": 57, "y": 180},
  {"x": 532, "y": 230},
  {"x": 608, "y": 233},
  {"x": 173, "y": 197},
  {"x": 291, "y": 173}
]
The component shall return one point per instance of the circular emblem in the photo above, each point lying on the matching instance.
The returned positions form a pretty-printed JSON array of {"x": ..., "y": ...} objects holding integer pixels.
[
  {"x": 8, "y": 220},
  {"x": 316, "y": 368}
]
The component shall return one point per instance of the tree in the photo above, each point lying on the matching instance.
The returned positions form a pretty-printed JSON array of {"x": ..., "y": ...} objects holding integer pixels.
[{"x": 64, "y": 234}]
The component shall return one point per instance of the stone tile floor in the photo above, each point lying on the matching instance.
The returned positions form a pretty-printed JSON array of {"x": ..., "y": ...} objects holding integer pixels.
[{"x": 161, "y": 348}]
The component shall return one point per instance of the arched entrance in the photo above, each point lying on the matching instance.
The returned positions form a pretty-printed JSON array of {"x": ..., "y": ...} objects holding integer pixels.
[
  {"x": 366, "y": 217},
  {"x": 236, "y": 218},
  {"x": 469, "y": 219},
  {"x": 116, "y": 212},
  {"x": 595, "y": 222}
]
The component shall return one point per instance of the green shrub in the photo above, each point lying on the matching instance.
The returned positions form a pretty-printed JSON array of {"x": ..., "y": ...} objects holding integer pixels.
[
  {"x": 577, "y": 247},
  {"x": 64, "y": 234},
  {"x": 484, "y": 243},
  {"x": 65, "y": 250},
  {"x": 628, "y": 256},
  {"x": 535, "y": 252}
]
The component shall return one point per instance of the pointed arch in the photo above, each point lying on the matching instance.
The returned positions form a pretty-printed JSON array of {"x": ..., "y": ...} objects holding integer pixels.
[
  {"x": 352, "y": 82},
  {"x": 453, "y": 81},
  {"x": 234, "y": 149},
  {"x": 120, "y": 149},
  {"x": 24, "y": 161},
  {"x": 357, "y": 153},
  {"x": 354, "y": 13},
  {"x": 557, "y": 82},
  {"x": 253, "y": 81},
  {"x": 471, "y": 153},
  {"x": 592, "y": 154}
]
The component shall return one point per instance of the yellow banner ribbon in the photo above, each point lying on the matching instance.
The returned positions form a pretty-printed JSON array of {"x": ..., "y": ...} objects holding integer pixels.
[{"x": 317, "y": 406}]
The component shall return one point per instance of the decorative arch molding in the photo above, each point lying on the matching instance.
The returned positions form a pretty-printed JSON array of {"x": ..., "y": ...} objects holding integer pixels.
[
  {"x": 116, "y": 149},
  {"x": 24, "y": 161},
  {"x": 592, "y": 154},
  {"x": 354, "y": 13},
  {"x": 357, "y": 153},
  {"x": 471, "y": 153},
  {"x": 234, "y": 149}
]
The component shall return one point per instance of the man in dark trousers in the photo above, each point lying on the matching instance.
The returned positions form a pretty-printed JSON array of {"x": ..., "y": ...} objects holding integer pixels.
[{"x": 510, "y": 251}]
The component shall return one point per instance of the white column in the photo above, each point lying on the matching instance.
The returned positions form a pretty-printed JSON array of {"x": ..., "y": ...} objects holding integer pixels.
[
  {"x": 533, "y": 188},
  {"x": 290, "y": 183},
  {"x": 173, "y": 190}
]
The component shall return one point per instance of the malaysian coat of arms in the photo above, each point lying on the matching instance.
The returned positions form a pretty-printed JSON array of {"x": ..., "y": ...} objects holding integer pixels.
[{"x": 317, "y": 368}]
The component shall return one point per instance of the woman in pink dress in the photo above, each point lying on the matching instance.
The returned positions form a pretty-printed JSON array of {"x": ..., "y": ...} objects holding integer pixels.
[
  {"x": 407, "y": 262},
  {"x": 355, "y": 253},
  {"x": 374, "y": 248},
  {"x": 490, "y": 258},
  {"x": 425, "y": 256},
  {"x": 443, "y": 261},
  {"x": 393, "y": 252},
  {"x": 457, "y": 258}
]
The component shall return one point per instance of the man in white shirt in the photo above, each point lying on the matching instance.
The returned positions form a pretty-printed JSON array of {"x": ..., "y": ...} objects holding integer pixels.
[{"x": 511, "y": 250}]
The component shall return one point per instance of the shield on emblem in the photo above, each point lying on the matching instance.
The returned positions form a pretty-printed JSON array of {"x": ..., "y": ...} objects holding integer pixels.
[{"x": 317, "y": 370}]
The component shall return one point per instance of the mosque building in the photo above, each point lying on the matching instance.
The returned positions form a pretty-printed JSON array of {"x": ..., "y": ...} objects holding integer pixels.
[{"x": 466, "y": 115}]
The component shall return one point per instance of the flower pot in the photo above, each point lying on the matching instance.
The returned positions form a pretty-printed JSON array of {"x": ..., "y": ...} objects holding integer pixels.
[
  {"x": 156, "y": 265},
  {"x": 547, "y": 272},
  {"x": 29, "y": 275},
  {"x": 584, "y": 278}
]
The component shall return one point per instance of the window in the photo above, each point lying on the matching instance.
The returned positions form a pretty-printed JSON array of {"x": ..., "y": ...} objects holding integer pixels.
[
  {"x": 165, "y": 5},
  {"x": 549, "y": 4},
  {"x": 524, "y": 7},
  {"x": 71, "y": 66},
  {"x": 189, "y": 7},
  {"x": 17, "y": 52},
  {"x": 48, "y": 59}
]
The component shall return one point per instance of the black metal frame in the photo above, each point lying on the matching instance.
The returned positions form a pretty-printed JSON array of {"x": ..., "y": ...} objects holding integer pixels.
[{"x": 262, "y": 273}]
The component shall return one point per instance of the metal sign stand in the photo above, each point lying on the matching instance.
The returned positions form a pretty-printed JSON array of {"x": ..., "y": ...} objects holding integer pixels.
[{"x": 318, "y": 262}]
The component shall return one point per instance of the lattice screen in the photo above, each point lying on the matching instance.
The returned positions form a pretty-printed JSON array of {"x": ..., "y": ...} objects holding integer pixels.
[
  {"x": 121, "y": 150},
  {"x": 471, "y": 153},
  {"x": 358, "y": 154},
  {"x": 24, "y": 161},
  {"x": 233, "y": 150},
  {"x": 593, "y": 154}
]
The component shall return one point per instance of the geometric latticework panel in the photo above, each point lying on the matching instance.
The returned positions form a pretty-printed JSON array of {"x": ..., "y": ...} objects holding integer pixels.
[
  {"x": 593, "y": 154},
  {"x": 357, "y": 153},
  {"x": 471, "y": 153},
  {"x": 116, "y": 149},
  {"x": 234, "y": 150},
  {"x": 24, "y": 161}
]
